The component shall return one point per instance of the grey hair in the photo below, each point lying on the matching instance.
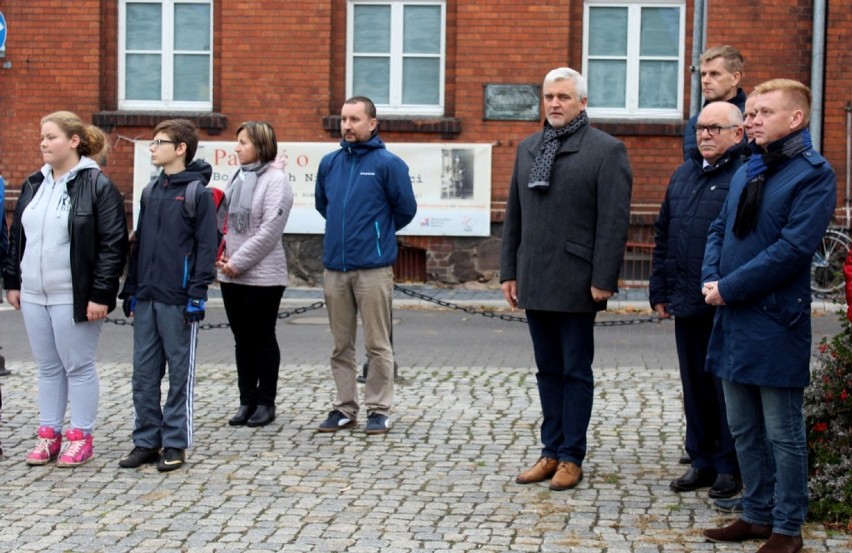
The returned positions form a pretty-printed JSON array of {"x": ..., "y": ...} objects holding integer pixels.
[
  {"x": 731, "y": 111},
  {"x": 563, "y": 73}
]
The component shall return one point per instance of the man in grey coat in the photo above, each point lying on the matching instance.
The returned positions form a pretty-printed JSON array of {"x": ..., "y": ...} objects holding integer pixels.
[{"x": 563, "y": 244}]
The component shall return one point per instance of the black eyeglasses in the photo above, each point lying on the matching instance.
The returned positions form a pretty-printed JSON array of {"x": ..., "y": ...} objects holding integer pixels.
[
  {"x": 157, "y": 143},
  {"x": 714, "y": 130}
]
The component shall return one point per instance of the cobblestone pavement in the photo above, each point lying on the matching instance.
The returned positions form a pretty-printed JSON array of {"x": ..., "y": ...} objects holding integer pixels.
[{"x": 465, "y": 422}]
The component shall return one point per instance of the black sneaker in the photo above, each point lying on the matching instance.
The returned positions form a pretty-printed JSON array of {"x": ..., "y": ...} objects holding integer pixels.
[
  {"x": 140, "y": 456},
  {"x": 171, "y": 459}
]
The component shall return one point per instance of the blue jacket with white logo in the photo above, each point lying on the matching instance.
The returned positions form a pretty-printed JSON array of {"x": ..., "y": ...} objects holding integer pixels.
[{"x": 364, "y": 193}]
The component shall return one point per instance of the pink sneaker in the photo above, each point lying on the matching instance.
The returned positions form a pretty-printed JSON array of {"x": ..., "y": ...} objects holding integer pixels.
[
  {"x": 47, "y": 448},
  {"x": 78, "y": 449}
]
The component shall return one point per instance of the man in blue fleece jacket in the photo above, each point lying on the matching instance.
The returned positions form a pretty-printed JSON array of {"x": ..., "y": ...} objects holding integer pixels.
[{"x": 364, "y": 193}]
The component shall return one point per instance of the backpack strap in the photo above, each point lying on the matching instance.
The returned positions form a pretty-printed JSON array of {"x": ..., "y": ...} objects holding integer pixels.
[{"x": 191, "y": 198}]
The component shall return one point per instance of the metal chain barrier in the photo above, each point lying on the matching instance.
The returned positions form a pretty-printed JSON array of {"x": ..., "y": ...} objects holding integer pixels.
[
  {"x": 514, "y": 318},
  {"x": 213, "y": 326},
  {"x": 488, "y": 314}
]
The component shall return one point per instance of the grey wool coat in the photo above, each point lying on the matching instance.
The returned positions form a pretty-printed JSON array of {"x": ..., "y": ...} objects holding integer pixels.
[{"x": 559, "y": 243}]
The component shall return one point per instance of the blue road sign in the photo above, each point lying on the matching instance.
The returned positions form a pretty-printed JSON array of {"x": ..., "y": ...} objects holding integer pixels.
[{"x": 2, "y": 32}]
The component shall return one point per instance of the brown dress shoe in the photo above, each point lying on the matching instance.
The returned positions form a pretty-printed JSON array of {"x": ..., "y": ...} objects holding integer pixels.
[
  {"x": 543, "y": 469},
  {"x": 739, "y": 531},
  {"x": 567, "y": 476},
  {"x": 780, "y": 543}
]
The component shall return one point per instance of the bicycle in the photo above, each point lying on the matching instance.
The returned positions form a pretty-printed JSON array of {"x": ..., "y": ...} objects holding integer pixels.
[{"x": 827, "y": 263}]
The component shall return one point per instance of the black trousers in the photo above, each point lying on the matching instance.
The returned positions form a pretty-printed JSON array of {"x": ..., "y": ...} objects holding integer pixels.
[
  {"x": 708, "y": 439},
  {"x": 252, "y": 313}
]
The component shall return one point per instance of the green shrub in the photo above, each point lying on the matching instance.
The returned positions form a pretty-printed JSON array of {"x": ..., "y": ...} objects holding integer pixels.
[{"x": 828, "y": 416}]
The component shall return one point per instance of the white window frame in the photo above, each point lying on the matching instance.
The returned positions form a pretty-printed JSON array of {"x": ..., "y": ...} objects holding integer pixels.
[
  {"x": 167, "y": 52},
  {"x": 634, "y": 22},
  {"x": 396, "y": 107}
]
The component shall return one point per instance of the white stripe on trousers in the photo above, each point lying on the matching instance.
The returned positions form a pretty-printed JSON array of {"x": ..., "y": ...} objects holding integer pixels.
[{"x": 190, "y": 388}]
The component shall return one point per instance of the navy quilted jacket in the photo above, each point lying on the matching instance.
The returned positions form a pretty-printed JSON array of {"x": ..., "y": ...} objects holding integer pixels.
[{"x": 693, "y": 200}]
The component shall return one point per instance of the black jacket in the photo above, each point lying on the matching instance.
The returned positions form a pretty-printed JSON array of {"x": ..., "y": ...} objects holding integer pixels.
[
  {"x": 694, "y": 199},
  {"x": 97, "y": 225},
  {"x": 174, "y": 255}
]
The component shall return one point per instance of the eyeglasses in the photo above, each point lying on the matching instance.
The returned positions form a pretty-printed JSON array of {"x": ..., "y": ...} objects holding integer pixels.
[
  {"x": 714, "y": 130},
  {"x": 157, "y": 143}
]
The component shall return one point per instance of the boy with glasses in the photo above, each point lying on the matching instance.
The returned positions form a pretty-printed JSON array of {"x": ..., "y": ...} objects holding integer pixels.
[{"x": 172, "y": 262}]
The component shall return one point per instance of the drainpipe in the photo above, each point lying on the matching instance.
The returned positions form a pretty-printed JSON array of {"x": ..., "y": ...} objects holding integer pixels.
[
  {"x": 698, "y": 35},
  {"x": 817, "y": 74},
  {"x": 848, "y": 158}
]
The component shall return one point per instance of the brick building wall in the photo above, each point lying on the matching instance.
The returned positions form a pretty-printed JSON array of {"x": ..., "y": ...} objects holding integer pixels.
[{"x": 285, "y": 62}]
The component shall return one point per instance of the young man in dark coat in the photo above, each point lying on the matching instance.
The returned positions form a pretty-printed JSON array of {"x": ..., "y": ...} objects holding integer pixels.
[
  {"x": 694, "y": 198},
  {"x": 563, "y": 244}
]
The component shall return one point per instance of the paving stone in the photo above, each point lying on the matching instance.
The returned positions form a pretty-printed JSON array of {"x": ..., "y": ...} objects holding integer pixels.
[{"x": 466, "y": 421}]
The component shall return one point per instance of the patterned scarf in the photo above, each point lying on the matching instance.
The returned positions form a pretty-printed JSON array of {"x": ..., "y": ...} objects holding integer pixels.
[
  {"x": 759, "y": 164},
  {"x": 239, "y": 194},
  {"x": 552, "y": 140}
]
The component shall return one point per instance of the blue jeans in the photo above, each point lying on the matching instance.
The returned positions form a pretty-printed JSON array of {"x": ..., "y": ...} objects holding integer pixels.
[
  {"x": 769, "y": 431},
  {"x": 564, "y": 346}
]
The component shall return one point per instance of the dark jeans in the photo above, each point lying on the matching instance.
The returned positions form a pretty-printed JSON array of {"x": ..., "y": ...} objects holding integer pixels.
[
  {"x": 768, "y": 426},
  {"x": 708, "y": 439},
  {"x": 564, "y": 345},
  {"x": 252, "y": 313}
]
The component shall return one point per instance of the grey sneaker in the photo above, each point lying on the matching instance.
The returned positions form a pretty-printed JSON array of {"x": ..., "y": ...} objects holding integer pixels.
[
  {"x": 377, "y": 424},
  {"x": 336, "y": 421}
]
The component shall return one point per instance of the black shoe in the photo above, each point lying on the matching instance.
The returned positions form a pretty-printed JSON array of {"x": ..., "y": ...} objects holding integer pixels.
[
  {"x": 171, "y": 459},
  {"x": 726, "y": 485},
  {"x": 685, "y": 459},
  {"x": 140, "y": 456},
  {"x": 694, "y": 479},
  {"x": 263, "y": 415},
  {"x": 242, "y": 416}
]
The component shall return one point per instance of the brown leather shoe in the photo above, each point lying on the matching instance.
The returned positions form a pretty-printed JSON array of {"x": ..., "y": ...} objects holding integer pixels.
[
  {"x": 567, "y": 476},
  {"x": 780, "y": 543},
  {"x": 739, "y": 531},
  {"x": 543, "y": 469}
]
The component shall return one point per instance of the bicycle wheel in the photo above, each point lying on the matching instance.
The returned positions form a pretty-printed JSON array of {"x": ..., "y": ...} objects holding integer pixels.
[{"x": 827, "y": 264}]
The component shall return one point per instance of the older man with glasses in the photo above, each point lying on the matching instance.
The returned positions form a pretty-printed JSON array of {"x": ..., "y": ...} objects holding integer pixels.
[{"x": 695, "y": 195}]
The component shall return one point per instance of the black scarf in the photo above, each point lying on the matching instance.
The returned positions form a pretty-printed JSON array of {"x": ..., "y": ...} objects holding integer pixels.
[
  {"x": 551, "y": 141},
  {"x": 759, "y": 165}
]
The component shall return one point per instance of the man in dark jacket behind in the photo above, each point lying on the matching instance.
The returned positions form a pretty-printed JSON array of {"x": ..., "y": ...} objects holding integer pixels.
[
  {"x": 757, "y": 271},
  {"x": 563, "y": 245},
  {"x": 721, "y": 69},
  {"x": 364, "y": 193},
  {"x": 694, "y": 198}
]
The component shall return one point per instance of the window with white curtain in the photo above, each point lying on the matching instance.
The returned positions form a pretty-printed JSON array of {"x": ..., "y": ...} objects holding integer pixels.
[
  {"x": 165, "y": 57},
  {"x": 633, "y": 58},
  {"x": 395, "y": 55}
]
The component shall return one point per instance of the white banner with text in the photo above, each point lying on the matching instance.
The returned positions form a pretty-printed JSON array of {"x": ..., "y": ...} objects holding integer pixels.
[{"x": 452, "y": 183}]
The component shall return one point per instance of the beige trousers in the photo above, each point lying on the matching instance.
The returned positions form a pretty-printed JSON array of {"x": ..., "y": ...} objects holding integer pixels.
[{"x": 369, "y": 291}]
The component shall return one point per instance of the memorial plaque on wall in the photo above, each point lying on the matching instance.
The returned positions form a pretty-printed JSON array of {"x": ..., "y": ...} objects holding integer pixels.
[{"x": 512, "y": 102}]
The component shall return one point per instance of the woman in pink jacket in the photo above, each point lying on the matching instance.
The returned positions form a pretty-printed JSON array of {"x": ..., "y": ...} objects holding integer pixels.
[{"x": 253, "y": 268}]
